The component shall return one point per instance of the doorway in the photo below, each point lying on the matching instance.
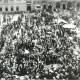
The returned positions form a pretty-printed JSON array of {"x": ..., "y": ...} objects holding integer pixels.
[
  {"x": 28, "y": 7},
  {"x": 69, "y": 5},
  {"x": 64, "y": 7}
]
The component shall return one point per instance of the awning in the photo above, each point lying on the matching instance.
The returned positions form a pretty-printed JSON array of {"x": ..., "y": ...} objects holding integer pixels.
[
  {"x": 60, "y": 21},
  {"x": 69, "y": 26},
  {"x": 15, "y": 18},
  {"x": 26, "y": 52}
]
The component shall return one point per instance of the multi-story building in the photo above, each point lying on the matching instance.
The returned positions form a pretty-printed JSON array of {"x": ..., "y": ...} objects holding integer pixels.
[
  {"x": 12, "y": 5},
  {"x": 61, "y": 4},
  {"x": 25, "y": 5}
]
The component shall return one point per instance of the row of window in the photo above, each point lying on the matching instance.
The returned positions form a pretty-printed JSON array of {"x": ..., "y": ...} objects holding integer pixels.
[
  {"x": 9, "y": 0},
  {"x": 6, "y": 1},
  {"x": 12, "y": 8},
  {"x": 13, "y": 0}
]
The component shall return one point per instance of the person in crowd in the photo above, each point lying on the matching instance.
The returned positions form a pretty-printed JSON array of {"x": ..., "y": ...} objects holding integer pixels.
[{"x": 32, "y": 50}]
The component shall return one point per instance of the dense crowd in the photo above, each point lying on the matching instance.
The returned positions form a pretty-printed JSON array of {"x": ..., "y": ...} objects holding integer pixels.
[{"x": 37, "y": 47}]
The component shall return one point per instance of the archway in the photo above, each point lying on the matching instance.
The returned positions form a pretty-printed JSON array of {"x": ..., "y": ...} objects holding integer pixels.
[
  {"x": 44, "y": 6},
  {"x": 78, "y": 6},
  {"x": 69, "y": 5},
  {"x": 29, "y": 7},
  {"x": 58, "y": 5},
  {"x": 17, "y": 8},
  {"x": 64, "y": 7}
]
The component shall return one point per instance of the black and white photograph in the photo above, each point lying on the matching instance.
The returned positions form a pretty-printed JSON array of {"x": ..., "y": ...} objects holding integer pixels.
[{"x": 39, "y": 39}]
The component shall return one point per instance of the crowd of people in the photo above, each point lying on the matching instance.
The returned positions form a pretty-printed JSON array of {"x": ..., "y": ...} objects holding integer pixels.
[{"x": 37, "y": 47}]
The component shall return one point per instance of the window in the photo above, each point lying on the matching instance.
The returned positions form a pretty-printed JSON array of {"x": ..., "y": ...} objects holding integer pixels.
[
  {"x": 17, "y": 8},
  {"x": 57, "y": 5},
  {"x": 12, "y": 9},
  {"x": 29, "y": 7},
  {"x": 78, "y": 5},
  {"x": 69, "y": 5},
  {"x": 0, "y": 8},
  {"x": 6, "y": 9},
  {"x": 64, "y": 7}
]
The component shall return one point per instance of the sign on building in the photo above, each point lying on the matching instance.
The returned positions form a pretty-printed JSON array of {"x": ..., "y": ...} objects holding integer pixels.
[{"x": 38, "y": 7}]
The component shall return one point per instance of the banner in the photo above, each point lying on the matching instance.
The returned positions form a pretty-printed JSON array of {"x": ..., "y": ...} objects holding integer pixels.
[{"x": 38, "y": 7}]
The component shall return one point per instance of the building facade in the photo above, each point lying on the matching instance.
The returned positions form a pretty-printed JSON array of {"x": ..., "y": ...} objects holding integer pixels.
[
  {"x": 26, "y": 5},
  {"x": 62, "y": 4},
  {"x": 12, "y": 5}
]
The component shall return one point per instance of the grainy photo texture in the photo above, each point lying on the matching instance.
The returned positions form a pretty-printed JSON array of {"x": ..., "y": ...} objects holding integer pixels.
[{"x": 39, "y": 39}]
